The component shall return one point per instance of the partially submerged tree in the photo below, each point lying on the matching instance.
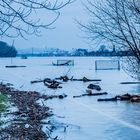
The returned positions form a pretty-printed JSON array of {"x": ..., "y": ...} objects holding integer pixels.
[
  {"x": 20, "y": 17},
  {"x": 117, "y": 22}
]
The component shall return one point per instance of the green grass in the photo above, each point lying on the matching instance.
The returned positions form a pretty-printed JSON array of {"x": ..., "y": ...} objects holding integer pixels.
[
  {"x": 3, "y": 98},
  {"x": 3, "y": 101}
]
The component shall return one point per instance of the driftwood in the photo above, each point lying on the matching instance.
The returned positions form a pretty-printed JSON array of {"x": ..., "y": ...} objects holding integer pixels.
[
  {"x": 36, "y": 81},
  {"x": 53, "y": 84},
  {"x": 91, "y": 94},
  {"x": 108, "y": 99},
  {"x": 135, "y": 98},
  {"x": 125, "y": 97},
  {"x": 63, "y": 78},
  {"x": 93, "y": 86},
  {"x": 46, "y": 80},
  {"x": 84, "y": 79},
  {"x": 46, "y": 97},
  {"x": 130, "y": 83},
  {"x": 50, "y": 81}
]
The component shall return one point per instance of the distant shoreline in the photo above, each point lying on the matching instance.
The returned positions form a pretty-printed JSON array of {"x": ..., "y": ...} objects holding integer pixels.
[{"x": 67, "y": 56}]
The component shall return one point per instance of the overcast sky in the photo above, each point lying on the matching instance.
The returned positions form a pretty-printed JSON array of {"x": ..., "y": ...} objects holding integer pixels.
[{"x": 64, "y": 36}]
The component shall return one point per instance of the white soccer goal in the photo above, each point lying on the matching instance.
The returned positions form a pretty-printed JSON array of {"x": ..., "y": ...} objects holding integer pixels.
[
  {"x": 64, "y": 63},
  {"x": 107, "y": 65}
]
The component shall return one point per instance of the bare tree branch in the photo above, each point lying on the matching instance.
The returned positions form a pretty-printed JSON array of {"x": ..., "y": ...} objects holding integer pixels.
[
  {"x": 25, "y": 16},
  {"x": 118, "y": 22}
]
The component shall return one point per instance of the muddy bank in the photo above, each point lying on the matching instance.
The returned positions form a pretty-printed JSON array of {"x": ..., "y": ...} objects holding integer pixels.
[{"x": 27, "y": 121}]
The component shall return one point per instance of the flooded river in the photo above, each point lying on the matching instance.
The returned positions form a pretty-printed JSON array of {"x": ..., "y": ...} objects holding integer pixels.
[{"x": 87, "y": 119}]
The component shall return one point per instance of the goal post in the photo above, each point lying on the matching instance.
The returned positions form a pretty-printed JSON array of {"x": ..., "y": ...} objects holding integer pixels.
[
  {"x": 65, "y": 62},
  {"x": 107, "y": 65}
]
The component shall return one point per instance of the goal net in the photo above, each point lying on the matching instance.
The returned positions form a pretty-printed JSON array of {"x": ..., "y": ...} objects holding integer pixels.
[
  {"x": 107, "y": 65},
  {"x": 65, "y": 63}
]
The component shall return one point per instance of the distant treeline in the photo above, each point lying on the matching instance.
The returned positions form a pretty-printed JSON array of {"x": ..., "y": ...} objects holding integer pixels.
[
  {"x": 6, "y": 50},
  {"x": 110, "y": 53},
  {"x": 92, "y": 53}
]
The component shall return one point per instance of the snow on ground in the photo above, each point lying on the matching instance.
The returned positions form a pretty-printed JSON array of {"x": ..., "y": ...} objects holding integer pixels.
[{"x": 87, "y": 118}]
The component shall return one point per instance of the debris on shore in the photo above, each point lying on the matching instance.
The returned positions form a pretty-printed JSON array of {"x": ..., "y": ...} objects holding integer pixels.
[{"x": 27, "y": 121}]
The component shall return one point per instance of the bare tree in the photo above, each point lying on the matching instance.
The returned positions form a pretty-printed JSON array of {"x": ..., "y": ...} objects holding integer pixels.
[
  {"x": 20, "y": 17},
  {"x": 118, "y": 22}
]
